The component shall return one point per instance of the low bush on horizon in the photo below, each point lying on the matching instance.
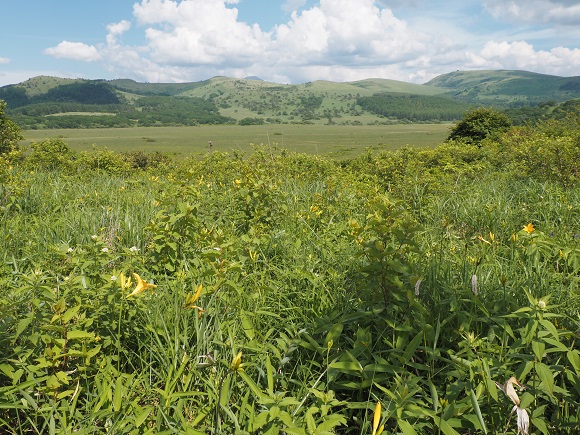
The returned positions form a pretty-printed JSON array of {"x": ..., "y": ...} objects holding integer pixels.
[{"x": 418, "y": 291}]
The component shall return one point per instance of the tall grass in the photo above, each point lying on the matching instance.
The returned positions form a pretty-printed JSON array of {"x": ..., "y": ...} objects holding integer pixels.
[{"x": 290, "y": 294}]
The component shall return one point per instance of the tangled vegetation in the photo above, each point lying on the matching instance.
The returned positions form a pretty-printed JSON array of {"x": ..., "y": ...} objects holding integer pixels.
[{"x": 400, "y": 292}]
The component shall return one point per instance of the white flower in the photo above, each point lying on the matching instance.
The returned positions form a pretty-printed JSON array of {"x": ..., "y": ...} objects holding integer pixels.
[
  {"x": 133, "y": 249},
  {"x": 417, "y": 286},
  {"x": 542, "y": 305},
  {"x": 94, "y": 237},
  {"x": 523, "y": 421},
  {"x": 70, "y": 250},
  {"x": 113, "y": 278},
  {"x": 105, "y": 250},
  {"x": 474, "y": 284}
]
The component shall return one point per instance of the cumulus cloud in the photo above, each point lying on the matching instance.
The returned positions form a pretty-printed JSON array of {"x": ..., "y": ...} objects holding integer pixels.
[
  {"x": 339, "y": 40},
  {"x": 564, "y": 12},
  {"x": 75, "y": 51},
  {"x": 522, "y": 55},
  {"x": 4, "y": 60},
  {"x": 292, "y": 5}
]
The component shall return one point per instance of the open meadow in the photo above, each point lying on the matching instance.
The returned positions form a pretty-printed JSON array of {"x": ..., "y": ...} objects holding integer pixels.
[
  {"x": 420, "y": 290},
  {"x": 326, "y": 140}
]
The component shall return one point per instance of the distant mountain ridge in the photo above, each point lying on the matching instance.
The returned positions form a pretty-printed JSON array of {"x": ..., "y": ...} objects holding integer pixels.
[
  {"x": 507, "y": 87},
  {"x": 124, "y": 102}
]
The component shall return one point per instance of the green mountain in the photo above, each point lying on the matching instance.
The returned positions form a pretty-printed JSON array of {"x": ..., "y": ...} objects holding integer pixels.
[
  {"x": 52, "y": 102},
  {"x": 507, "y": 88}
]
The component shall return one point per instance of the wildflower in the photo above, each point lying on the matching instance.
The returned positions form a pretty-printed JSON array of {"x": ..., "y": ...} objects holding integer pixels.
[
  {"x": 417, "y": 286},
  {"x": 125, "y": 281},
  {"x": 141, "y": 286},
  {"x": 483, "y": 240},
  {"x": 529, "y": 228},
  {"x": 510, "y": 391},
  {"x": 133, "y": 249},
  {"x": 377, "y": 419},
  {"x": 253, "y": 255},
  {"x": 113, "y": 278},
  {"x": 523, "y": 420},
  {"x": 474, "y": 284},
  {"x": 190, "y": 300},
  {"x": 542, "y": 305},
  {"x": 94, "y": 237},
  {"x": 236, "y": 365},
  {"x": 69, "y": 250},
  {"x": 105, "y": 250}
]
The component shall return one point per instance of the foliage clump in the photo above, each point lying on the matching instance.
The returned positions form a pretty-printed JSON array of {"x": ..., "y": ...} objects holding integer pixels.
[
  {"x": 480, "y": 124},
  {"x": 290, "y": 293},
  {"x": 10, "y": 133}
]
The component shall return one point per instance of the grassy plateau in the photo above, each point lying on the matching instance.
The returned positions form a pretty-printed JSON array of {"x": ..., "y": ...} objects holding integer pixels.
[
  {"x": 431, "y": 289},
  {"x": 327, "y": 140}
]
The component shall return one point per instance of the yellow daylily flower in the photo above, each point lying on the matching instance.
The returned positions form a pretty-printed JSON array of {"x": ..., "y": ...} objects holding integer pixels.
[
  {"x": 377, "y": 418},
  {"x": 141, "y": 286},
  {"x": 125, "y": 281},
  {"x": 191, "y": 298},
  {"x": 529, "y": 228},
  {"x": 236, "y": 365}
]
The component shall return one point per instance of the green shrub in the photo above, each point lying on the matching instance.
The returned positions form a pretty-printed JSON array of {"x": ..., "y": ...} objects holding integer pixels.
[
  {"x": 480, "y": 124},
  {"x": 51, "y": 154}
]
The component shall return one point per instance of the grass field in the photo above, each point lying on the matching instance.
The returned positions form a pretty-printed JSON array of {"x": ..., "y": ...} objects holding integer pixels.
[
  {"x": 408, "y": 292},
  {"x": 333, "y": 141}
]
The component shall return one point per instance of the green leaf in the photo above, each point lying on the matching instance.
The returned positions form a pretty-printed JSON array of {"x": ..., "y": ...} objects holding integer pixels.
[
  {"x": 545, "y": 375},
  {"x": 538, "y": 347},
  {"x": 346, "y": 366},
  {"x": 333, "y": 334},
  {"x": 142, "y": 416},
  {"x": 412, "y": 347},
  {"x": 7, "y": 369},
  {"x": 22, "y": 325},
  {"x": 434, "y": 395},
  {"x": 444, "y": 426},
  {"x": 70, "y": 313},
  {"x": 77, "y": 334},
  {"x": 247, "y": 325},
  {"x": 477, "y": 410},
  {"x": 406, "y": 427},
  {"x": 549, "y": 326},
  {"x": 540, "y": 424},
  {"x": 118, "y": 395},
  {"x": 574, "y": 358}
]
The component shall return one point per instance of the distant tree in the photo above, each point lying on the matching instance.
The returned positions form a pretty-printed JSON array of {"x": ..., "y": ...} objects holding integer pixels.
[
  {"x": 9, "y": 132},
  {"x": 479, "y": 124}
]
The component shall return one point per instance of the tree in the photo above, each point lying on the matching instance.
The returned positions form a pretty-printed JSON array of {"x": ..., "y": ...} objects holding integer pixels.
[
  {"x": 9, "y": 132},
  {"x": 479, "y": 124}
]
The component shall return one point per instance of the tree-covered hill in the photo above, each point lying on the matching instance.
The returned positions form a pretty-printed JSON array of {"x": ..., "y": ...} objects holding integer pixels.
[
  {"x": 51, "y": 102},
  {"x": 507, "y": 88}
]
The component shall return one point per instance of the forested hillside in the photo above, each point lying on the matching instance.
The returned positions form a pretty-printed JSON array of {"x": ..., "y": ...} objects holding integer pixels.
[{"x": 50, "y": 102}]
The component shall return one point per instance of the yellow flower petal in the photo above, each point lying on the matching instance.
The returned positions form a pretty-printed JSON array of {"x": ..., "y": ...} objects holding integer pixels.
[
  {"x": 236, "y": 365},
  {"x": 376, "y": 418},
  {"x": 529, "y": 228},
  {"x": 141, "y": 286}
]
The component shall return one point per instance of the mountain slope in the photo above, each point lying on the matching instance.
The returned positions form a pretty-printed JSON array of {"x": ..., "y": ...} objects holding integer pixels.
[
  {"x": 506, "y": 87},
  {"x": 125, "y": 103}
]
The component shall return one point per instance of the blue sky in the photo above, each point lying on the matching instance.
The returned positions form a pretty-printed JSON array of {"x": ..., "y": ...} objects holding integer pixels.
[{"x": 286, "y": 41}]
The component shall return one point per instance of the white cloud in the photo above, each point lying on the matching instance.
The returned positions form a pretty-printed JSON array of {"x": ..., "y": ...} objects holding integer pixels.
[
  {"x": 4, "y": 60},
  {"x": 338, "y": 40},
  {"x": 565, "y": 12},
  {"x": 75, "y": 51},
  {"x": 522, "y": 55},
  {"x": 293, "y": 5}
]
